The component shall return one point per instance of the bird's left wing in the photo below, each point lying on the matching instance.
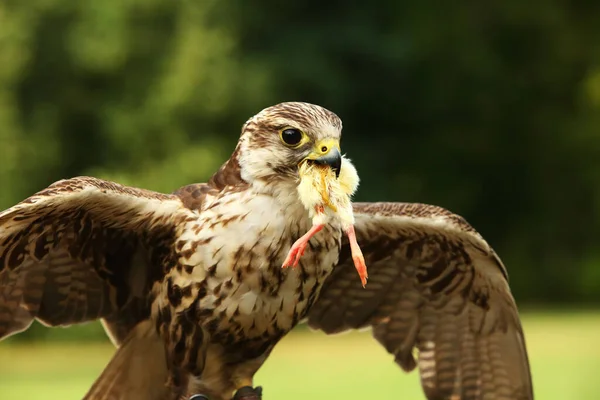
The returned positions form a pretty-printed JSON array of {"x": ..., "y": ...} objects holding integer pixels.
[
  {"x": 434, "y": 285},
  {"x": 84, "y": 249}
]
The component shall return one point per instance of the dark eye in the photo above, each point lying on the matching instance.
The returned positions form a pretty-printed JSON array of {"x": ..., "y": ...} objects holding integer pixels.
[{"x": 291, "y": 136}]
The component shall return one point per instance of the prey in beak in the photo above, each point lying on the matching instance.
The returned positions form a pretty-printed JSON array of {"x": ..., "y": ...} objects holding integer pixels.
[
  {"x": 326, "y": 153},
  {"x": 327, "y": 182}
]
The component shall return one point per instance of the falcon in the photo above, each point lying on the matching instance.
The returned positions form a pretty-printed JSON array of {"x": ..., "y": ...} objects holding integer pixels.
[{"x": 190, "y": 287}]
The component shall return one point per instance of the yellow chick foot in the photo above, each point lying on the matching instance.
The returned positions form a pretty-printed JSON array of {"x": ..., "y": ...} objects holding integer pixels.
[{"x": 357, "y": 256}]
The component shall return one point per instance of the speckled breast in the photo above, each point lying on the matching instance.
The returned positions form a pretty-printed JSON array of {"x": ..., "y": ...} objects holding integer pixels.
[
  {"x": 261, "y": 300},
  {"x": 240, "y": 293}
]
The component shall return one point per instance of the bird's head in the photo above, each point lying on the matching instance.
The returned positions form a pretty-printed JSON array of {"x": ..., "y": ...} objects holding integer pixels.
[{"x": 278, "y": 139}]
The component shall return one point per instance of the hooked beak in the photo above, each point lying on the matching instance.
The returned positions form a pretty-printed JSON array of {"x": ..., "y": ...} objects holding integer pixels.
[{"x": 327, "y": 152}]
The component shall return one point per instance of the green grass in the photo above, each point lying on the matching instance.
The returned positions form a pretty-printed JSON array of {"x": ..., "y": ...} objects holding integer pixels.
[{"x": 564, "y": 352}]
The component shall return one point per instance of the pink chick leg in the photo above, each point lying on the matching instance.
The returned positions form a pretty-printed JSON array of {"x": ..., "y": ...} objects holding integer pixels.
[
  {"x": 357, "y": 256},
  {"x": 299, "y": 246}
]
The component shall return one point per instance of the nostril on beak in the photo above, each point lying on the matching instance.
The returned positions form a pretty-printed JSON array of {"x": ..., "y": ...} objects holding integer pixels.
[{"x": 333, "y": 159}]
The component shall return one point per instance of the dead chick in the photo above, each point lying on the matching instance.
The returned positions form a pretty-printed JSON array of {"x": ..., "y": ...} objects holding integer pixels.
[{"x": 328, "y": 197}]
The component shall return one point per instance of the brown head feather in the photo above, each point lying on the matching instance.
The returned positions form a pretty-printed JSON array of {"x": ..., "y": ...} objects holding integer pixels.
[{"x": 261, "y": 153}]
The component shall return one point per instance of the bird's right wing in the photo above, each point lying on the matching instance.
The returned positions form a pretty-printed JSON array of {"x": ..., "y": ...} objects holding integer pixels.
[
  {"x": 434, "y": 286},
  {"x": 85, "y": 249}
]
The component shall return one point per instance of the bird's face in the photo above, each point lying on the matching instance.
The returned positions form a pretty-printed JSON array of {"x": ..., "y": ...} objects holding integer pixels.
[{"x": 278, "y": 139}]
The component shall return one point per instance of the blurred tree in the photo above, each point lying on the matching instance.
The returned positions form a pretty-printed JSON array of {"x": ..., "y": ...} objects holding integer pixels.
[
  {"x": 490, "y": 110},
  {"x": 134, "y": 91}
]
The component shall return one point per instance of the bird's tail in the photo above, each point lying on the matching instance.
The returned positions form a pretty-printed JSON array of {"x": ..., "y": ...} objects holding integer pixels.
[{"x": 137, "y": 371}]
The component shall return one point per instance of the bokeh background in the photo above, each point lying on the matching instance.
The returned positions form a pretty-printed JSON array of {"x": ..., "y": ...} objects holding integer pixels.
[{"x": 490, "y": 109}]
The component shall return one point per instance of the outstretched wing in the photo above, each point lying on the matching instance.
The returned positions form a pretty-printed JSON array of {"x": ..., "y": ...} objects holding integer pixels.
[
  {"x": 84, "y": 249},
  {"x": 437, "y": 286}
]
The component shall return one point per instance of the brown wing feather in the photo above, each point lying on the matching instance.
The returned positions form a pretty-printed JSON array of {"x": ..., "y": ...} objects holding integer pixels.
[
  {"x": 437, "y": 286},
  {"x": 81, "y": 250}
]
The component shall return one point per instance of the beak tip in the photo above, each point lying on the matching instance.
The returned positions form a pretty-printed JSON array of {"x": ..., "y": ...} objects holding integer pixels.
[
  {"x": 337, "y": 168},
  {"x": 336, "y": 165},
  {"x": 333, "y": 159}
]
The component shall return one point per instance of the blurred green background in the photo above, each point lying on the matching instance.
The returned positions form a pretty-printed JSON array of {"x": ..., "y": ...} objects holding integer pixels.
[{"x": 490, "y": 109}]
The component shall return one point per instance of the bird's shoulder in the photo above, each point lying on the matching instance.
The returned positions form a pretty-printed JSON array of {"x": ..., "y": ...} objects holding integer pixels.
[{"x": 193, "y": 196}]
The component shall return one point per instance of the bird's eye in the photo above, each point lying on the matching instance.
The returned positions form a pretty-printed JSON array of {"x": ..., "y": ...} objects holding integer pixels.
[{"x": 291, "y": 136}]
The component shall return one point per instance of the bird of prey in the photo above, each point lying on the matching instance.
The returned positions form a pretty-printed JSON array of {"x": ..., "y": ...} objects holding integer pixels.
[{"x": 190, "y": 286}]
